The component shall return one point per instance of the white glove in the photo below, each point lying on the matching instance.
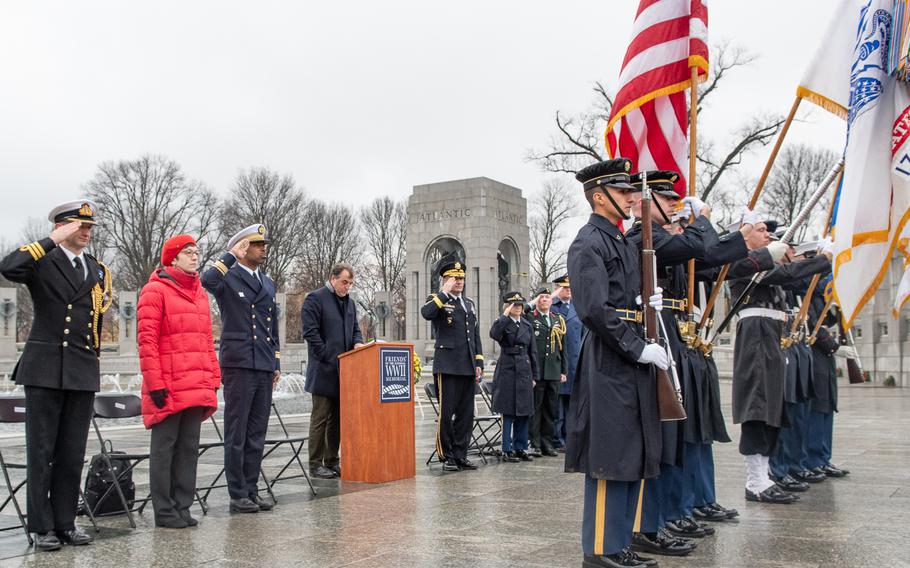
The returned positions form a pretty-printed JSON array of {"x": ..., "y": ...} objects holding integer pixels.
[
  {"x": 777, "y": 250},
  {"x": 654, "y": 354},
  {"x": 693, "y": 204},
  {"x": 750, "y": 217},
  {"x": 655, "y": 301},
  {"x": 826, "y": 245}
]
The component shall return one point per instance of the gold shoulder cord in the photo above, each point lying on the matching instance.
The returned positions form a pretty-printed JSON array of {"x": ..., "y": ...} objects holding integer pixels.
[
  {"x": 557, "y": 332},
  {"x": 102, "y": 298}
]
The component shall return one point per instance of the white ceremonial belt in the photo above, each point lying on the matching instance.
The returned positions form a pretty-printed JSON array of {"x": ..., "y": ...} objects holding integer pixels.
[{"x": 763, "y": 313}]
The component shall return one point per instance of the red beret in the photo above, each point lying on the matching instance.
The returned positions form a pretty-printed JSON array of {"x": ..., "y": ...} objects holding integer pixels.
[{"x": 173, "y": 246}]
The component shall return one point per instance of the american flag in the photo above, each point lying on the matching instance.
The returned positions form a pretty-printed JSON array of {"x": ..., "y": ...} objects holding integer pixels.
[{"x": 648, "y": 121}]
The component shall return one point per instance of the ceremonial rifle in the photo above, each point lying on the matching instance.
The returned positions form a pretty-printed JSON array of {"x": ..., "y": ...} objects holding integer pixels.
[
  {"x": 788, "y": 236},
  {"x": 669, "y": 398}
]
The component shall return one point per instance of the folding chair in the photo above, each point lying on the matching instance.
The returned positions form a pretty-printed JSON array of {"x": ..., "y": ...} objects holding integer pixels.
[
  {"x": 494, "y": 440},
  {"x": 487, "y": 431},
  {"x": 204, "y": 447},
  {"x": 296, "y": 443},
  {"x": 112, "y": 406},
  {"x": 482, "y": 428},
  {"x": 12, "y": 410}
]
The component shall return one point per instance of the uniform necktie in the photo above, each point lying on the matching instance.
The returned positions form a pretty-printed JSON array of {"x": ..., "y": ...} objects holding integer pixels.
[{"x": 77, "y": 266}]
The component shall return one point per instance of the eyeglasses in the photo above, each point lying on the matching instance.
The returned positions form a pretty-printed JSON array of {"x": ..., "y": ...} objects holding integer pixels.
[{"x": 191, "y": 252}]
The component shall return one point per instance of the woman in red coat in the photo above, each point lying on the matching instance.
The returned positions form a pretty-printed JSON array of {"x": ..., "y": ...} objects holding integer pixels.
[{"x": 180, "y": 377}]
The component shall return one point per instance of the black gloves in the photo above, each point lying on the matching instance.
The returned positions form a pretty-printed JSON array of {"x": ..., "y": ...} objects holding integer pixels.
[{"x": 159, "y": 397}]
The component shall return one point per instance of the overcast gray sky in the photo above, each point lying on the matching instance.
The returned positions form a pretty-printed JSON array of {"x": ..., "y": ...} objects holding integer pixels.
[{"x": 355, "y": 99}]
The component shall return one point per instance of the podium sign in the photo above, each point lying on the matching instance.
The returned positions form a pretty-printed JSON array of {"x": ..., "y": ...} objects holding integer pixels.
[
  {"x": 394, "y": 374},
  {"x": 377, "y": 431}
]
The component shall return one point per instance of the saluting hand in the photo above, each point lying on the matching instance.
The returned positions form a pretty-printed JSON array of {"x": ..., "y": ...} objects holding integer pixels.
[
  {"x": 61, "y": 233},
  {"x": 447, "y": 284},
  {"x": 239, "y": 249}
]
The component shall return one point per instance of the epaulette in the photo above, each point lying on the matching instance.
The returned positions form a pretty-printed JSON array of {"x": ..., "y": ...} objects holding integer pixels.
[
  {"x": 34, "y": 249},
  {"x": 435, "y": 299}
]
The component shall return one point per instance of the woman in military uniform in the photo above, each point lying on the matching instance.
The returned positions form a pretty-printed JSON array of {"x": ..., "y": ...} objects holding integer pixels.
[{"x": 515, "y": 376}]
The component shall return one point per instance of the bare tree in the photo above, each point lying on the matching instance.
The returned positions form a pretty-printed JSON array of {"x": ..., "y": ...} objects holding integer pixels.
[
  {"x": 260, "y": 195},
  {"x": 550, "y": 209},
  {"x": 331, "y": 236},
  {"x": 798, "y": 171},
  {"x": 142, "y": 203},
  {"x": 384, "y": 224},
  {"x": 579, "y": 140}
]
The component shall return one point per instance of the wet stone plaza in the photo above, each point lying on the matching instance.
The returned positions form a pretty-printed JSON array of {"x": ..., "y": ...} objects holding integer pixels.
[{"x": 510, "y": 515}]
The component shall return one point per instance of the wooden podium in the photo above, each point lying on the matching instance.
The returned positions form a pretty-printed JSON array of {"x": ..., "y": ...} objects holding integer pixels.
[{"x": 377, "y": 413}]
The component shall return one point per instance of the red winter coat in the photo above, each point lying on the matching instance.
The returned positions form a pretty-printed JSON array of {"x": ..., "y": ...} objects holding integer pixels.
[{"x": 176, "y": 348}]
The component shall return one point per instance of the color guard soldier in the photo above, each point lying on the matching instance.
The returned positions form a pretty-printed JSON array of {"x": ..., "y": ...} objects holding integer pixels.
[
  {"x": 60, "y": 366},
  {"x": 250, "y": 360},
  {"x": 457, "y": 362},
  {"x": 613, "y": 428},
  {"x": 759, "y": 366},
  {"x": 549, "y": 341}
]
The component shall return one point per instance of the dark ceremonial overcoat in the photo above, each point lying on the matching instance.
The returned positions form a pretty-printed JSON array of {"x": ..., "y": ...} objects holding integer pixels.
[
  {"x": 328, "y": 333},
  {"x": 673, "y": 252},
  {"x": 61, "y": 351},
  {"x": 759, "y": 363},
  {"x": 458, "y": 350},
  {"x": 513, "y": 387},
  {"x": 613, "y": 429},
  {"x": 824, "y": 368},
  {"x": 249, "y": 316}
]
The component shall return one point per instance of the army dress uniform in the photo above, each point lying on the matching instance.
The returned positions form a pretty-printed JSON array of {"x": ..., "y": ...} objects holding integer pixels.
[
  {"x": 574, "y": 331},
  {"x": 613, "y": 427},
  {"x": 457, "y": 355},
  {"x": 249, "y": 355},
  {"x": 549, "y": 342},
  {"x": 59, "y": 367}
]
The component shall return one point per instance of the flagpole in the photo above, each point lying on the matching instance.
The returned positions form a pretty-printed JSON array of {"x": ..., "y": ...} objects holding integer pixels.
[
  {"x": 693, "y": 121},
  {"x": 715, "y": 291}
]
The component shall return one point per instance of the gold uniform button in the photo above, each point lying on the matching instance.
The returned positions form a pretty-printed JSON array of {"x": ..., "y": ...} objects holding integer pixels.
[
  {"x": 268, "y": 319},
  {"x": 66, "y": 344},
  {"x": 89, "y": 325},
  {"x": 254, "y": 327},
  {"x": 253, "y": 316},
  {"x": 87, "y": 347},
  {"x": 68, "y": 318},
  {"x": 69, "y": 306},
  {"x": 91, "y": 312},
  {"x": 254, "y": 338},
  {"x": 252, "y": 305},
  {"x": 66, "y": 332}
]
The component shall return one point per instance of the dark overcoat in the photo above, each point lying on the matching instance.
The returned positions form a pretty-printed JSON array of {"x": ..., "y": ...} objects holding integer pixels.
[
  {"x": 613, "y": 429},
  {"x": 513, "y": 387},
  {"x": 328, "y": 334},
  {"x": 759, "y": 363},
  {"x": 824, "y": 368},
  {"x": 63, "y": 348}
]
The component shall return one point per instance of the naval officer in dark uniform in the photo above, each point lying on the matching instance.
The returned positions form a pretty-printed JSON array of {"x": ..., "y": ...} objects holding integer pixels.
[
  {"x": 249, "y": 357},
  {"x": 59, "y": 367},
  {"x": 457, "y": 362},
  {"x": 613, "y": 428}
]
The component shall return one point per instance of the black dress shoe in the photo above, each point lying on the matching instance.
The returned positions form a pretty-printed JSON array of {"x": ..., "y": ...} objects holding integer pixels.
[
  {"x": 510, "y": 457},
  {"x": 659, "y": 543},
  {"x": 831, "y": 471},
  {"x": 706, "y": 513},
  {"x": 188, "y": 518},
  {"x": 549, "y": 452},
  {"x": 810, "y": 476},
  {"x": 450, "y": 465},
  {"x": 171, "y": 523},
  {"x": 840, "y": 469},
  {"x": 534, "y": 452},
  {"x": 650, "y": 562},
  {"x": 619, "y": 560},
  {"x": 731, "y": 513},
  {"x": 322, "y": 472},
  {"x": 524, "y": 456},
  {"x": 465, "y": 463},
  {"x": 336, "y": 469},
  {"x": 770, "y": 496},
  {"x": 776, "y": 489},
  {"x": 47, "y": 541},
  {"x": 709, "y": 530},
  {"x": 243, "y": 505},
  {"x": 788, "y": 483},
  {"x": 664, "y": 534},
  {"x": 684, "y": 528},
  {"x": 263, "y": 504},
  {"x": 75, "y": 537}
]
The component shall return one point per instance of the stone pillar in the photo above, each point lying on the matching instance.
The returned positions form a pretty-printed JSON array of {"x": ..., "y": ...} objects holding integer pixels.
[
  {"x": 281, "y": 303},
  {"x": 126, "y": 332},
  {"x": 8, "y": 309}
]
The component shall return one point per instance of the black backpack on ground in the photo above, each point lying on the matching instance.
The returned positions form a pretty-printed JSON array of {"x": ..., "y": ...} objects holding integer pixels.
[{"x": 99, "y": 480}]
